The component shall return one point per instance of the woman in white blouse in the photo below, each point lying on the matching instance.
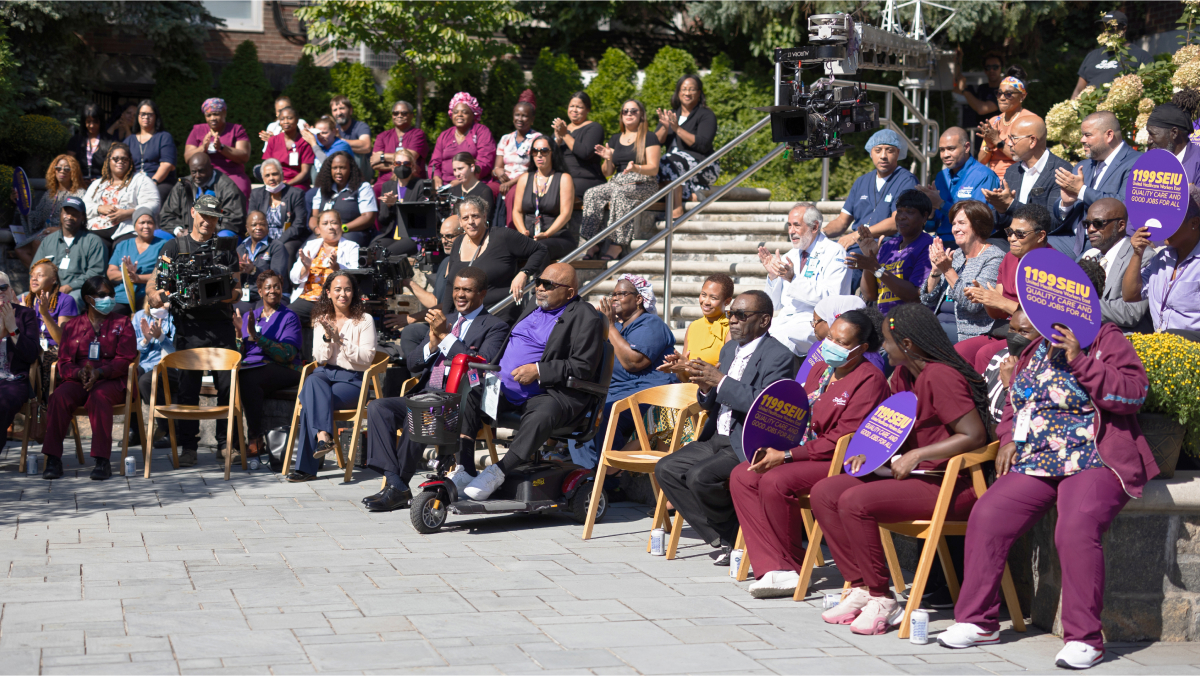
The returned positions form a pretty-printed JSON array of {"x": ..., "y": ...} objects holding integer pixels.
[
  {"x": 343, "y": 347},
  {"x": 316, "y": 261},
  {"x": 112, "y": 200}
]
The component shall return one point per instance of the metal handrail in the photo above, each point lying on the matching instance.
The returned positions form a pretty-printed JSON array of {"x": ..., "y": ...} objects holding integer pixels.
[
  {"x": 922, "y": 153},
  {"x": 663, "y": 192}
]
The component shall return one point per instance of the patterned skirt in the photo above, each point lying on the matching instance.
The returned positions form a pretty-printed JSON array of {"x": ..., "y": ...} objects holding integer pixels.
[{"x": 676, "y": 163}]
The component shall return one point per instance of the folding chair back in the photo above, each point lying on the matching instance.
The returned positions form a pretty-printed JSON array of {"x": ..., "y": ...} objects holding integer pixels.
[{"x": 196, "y": 359}]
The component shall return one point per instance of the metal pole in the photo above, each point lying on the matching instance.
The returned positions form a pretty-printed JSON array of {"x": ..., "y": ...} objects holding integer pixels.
[
  {"x": 666, "y": 311},
  {"x": 825, "y": 179}
]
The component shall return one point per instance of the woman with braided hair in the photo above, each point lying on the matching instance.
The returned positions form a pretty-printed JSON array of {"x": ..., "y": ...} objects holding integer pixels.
[{"x": 951, "y": 408}]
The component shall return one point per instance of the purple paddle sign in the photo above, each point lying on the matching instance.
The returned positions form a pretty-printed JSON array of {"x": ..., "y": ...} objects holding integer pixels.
[
  {"x": 883, "y": 432},
  {"x": 776, "y": 419},
  {"x": 1156, "y": 195},
  {"x": 813, "y": 356},
  {"x": 20, "y": 184},
  {"x": 1053, "y": 289}
]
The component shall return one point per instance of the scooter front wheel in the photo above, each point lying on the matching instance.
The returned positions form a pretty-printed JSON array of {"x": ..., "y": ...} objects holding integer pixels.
[{"x": 429, "y": 511}]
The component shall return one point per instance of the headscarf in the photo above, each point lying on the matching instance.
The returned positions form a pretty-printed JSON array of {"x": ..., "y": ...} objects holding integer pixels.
[
  {"x": 528, "y": 97},
  {"x": 213, "y": 105},
  {"x": 830, "y": 308},
  {"x": 1169, "y": 115},
  {"x": 644, "y": 289},
  {"x": 1010, "y": 80},
  {"x": 471, "y": 101},
  {"x": 887, "y": 137}
]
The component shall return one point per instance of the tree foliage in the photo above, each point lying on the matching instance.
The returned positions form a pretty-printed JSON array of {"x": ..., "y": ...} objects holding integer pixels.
[
  {"x": 357, "y": 83},
  {"x": 505, "y": 82},
  {"x": 248, "y": 95},
  {"x": 309, "y": 89},
  {"x": 615, "y": 83},
  {"x": 433, "y": 38},
  {"x": 668, "y": 66},
  {"x": 179, "y": 98},
  {"x": 555, "y": 78}
]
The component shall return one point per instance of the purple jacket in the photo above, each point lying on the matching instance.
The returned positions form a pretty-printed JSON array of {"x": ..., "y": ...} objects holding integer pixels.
[
  {"x": 1113, "y": 376},
  {"x": 1191, "y": 163}
]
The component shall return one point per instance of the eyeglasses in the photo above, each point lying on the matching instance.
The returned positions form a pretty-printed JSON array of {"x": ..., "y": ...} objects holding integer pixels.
[
  {"x": 817, "y": 321},
  {"x": 622, "y": 294},
  {"x": 540, "y": 151},
  {"x": 401, "y": 113},
  {"x": 404, "y": 164},
  {"x": 631, "y": 111},
  {"x": 1100, "y": 223},
  {"x": 548, "y": 284},
  {"x": 992, "y": 67},
  {"x": 692, "y": 90},
  {"x": 1014, "y": 139},
  {"x": 118, "y": 158},
  {"x": 3, "y": 288},
  {"x": 741, "y": 315},
  {"x": 1009, "y": 232},
  {"x": 1007, "y": 94}
]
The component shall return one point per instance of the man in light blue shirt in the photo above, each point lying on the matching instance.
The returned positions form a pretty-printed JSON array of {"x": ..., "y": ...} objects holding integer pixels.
[
  {"x": 325, "y": 142},
  {"x": 962, "y": 179}
]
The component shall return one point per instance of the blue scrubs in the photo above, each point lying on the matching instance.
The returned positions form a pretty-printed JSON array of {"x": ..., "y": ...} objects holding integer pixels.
[
  {"x": 967, "y": 183},
  {"x": 868, "y": 206}
]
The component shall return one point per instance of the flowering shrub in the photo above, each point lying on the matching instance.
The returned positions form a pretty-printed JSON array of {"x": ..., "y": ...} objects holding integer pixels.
[{"x": 1173, "y": 367}]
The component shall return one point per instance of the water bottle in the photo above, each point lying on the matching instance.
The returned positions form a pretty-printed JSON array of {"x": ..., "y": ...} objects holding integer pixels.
[
  {"x": 254, "y": 463},
  {"x": 31, "y": 464},
  {"x": 130, "y": 466},
  {"x": 831, "y": 600},
  {"x": 657, "y": 538},
  {"x": 919, "y": 625},
  {"x": 735, "y": 562}
]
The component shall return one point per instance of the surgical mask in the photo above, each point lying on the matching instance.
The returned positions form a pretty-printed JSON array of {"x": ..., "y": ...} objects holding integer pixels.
[
  {"x": 104, "y": 305},
  {"x": 160, "y": 312},
  {"x": 403, "y": 171},
  {"x": 275, "y": 188},
  {"x": 1017, "y": 343},
  {"x": 835, "y": 355}
]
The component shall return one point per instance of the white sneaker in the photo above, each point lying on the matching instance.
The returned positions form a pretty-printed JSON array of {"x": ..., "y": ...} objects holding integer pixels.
[
  {"x": 965, "y": 635},
  {"x": 775, "y": 584},
  {"x": 482, "y": 486},
  {"x": 851, "y": 605},
  {"x": 880, "y": 615},
  {"x": 460, "y": 478},
  {"x": 1077, "y": 655}
]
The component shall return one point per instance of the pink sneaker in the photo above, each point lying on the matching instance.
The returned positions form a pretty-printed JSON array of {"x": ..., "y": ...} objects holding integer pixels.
[
  {"x": 851, "y": 605},
  {"x": 880, "y": 614}
]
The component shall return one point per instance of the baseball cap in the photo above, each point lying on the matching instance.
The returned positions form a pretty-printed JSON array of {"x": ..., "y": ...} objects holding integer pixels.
[
  {"x": 208, "y": 205},
  {"x": 74, "y": 203},
  {"x": 1114, "y": 15}
]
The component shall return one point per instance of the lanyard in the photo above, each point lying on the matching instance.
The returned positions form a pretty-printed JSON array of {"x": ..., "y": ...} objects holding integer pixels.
[
  {"x": 479, "y": 249},
  {"x": 878, "y": 191}
]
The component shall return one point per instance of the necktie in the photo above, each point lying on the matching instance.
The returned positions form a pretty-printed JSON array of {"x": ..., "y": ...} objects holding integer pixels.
[
  {"x": 1096, "y": 176},
  {"x": 803, "y": 261},
  {"x": 437, "y": 377}
]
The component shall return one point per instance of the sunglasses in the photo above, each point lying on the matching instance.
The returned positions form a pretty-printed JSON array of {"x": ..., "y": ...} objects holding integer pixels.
[
  {"x": 145, "y": 114},
  {"x": 548, "y": 284},
  {"x": 540, "y": 151},
  {"x": 118, "y": 158},
  {"x": 1100, "y": 223},
  {"x": 1009, "y": 232},
  {"x": 404, "y": 164},
  {"x": 401, "y": 113},
  {"x": 449, "y": 238},
  {"x": 631, "y": 111},
  {"x": 3, "y": 288},
  {"x": 995, "y": 67},
  {"x": 1007, "y": 94},
  {"x": 741, "y": 315}
]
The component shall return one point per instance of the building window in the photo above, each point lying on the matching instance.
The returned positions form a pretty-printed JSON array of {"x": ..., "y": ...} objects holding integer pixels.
[{"x": 239, "y": 15}]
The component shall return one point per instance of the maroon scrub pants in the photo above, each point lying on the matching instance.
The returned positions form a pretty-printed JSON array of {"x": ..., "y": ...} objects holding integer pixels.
[
  {"x": 768, "y": 509},
  {"x": 99, "y": 403}
]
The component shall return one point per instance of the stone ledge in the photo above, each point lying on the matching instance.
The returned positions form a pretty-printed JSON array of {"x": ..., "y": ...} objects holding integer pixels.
[{"x": 1179, "y": 494}]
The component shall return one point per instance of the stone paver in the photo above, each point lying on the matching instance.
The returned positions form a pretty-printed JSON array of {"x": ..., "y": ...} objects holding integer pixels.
[{"x": 185, "y": 573}]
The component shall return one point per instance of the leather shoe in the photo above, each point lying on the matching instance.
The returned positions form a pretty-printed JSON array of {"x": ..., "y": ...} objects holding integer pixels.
[
  {"x": 296, "y": 476},
  {"x": 54, "y": 469},
  {"x": 371, "y": 498},
  {"x": 723, "y": 559},
  {"x": 393, "y": 498},
  {"x": 103, "y": 470}
]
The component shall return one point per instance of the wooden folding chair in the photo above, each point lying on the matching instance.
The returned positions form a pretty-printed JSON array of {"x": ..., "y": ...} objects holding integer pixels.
[
  {"x": 934, "y": 532},
  {"x": 196, "y": 359},
  {"x": 132, "y": 404},
  {"x": 30, "y": 410},
  {"x": 680, "y": 397},
  {"x": 130, "y": 292},
  {"x": 354, "y": 415}
]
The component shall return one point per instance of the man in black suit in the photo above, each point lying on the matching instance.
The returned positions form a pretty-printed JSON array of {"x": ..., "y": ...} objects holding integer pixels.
[
  {"x": 1030, "y": 180},
  {"x": 559, "y": 338},
  {"x": 1103, "y": 174},
  {"x": 696, "y": 477},
  {"x": 469, "y": 329}
]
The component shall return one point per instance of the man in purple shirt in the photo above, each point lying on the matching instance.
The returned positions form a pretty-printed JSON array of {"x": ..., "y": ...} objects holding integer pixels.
[
  {"x": 561, "y": 337},
  {"x": 1171, "y": 280}
]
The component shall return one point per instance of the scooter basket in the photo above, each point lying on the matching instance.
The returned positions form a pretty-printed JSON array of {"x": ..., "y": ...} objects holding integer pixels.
[{"x": 433, "y": 418}]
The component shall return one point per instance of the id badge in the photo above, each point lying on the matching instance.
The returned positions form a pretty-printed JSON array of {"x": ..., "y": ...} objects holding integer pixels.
[
  {"x": 65, "y": 263},
  {"x": 245, "y": 294},
  {"x": 293, "y": 158},
  {"x": 491, "y": 394},
  {"x": 94, "y": 350},
  {"x": 45, "y": 343},
  {"x": 1024, "y": 420}
]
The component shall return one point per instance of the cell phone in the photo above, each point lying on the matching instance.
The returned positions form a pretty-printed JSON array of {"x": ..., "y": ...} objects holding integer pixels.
[{"x": 759, "y": 456}]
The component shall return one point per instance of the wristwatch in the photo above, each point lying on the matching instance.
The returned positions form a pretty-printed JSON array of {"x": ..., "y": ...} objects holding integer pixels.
[
  {"x": 787, "y": 456},
  {"x": 878, "y": 273}
]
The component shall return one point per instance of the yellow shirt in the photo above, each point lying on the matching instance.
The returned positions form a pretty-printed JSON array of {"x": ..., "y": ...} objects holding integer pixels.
[{"x": 705, "y": 338}]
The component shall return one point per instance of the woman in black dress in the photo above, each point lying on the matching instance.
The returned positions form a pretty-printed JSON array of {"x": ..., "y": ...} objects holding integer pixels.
[
  {"x": 577, "y": 140},
  {"x": 686, "y": 133},
  {"x": 631, "y": 159},
  {"x": 547, "y": 201}
]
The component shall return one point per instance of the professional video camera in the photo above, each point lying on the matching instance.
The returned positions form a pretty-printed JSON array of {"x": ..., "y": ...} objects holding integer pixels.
[
  {"x": 812, "y": 121},
  {"x": 196, "y": 279},
  {"x": 380, "y": 278},
  {"x": 444, "y": 200}
]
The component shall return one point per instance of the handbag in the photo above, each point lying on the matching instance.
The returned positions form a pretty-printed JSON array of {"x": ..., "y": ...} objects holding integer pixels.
[
  {"x": 37, "y": 422},
  {"x": 277, "y": 447}
]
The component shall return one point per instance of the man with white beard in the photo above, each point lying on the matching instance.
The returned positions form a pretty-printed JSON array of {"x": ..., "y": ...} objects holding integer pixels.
[{"x": 813, "y": 269}]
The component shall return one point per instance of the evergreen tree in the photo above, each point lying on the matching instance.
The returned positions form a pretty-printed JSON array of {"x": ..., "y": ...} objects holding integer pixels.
[
  {"x": 615, "y": 83},
  {"x": 179, "y": 97},
  {"x": 668, "y": 66},
  {"x": 309, "y": 89},
  {"x": 505, "y": 82},
  {"x": 357, "y": 83},
  {"x": 555, "y": 78},
  {"x": 248, "y": 96}
]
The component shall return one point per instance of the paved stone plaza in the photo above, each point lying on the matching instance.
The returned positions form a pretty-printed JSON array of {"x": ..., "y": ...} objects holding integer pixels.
[{"x": 186, "y": 573}]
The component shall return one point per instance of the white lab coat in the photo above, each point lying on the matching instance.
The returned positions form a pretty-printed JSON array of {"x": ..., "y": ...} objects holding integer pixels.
[{"x": 824, "y": 275}]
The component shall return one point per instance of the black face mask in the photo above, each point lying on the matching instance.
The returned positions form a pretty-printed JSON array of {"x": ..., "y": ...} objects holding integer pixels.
[
  {"x": 403, "y": 171},
  {"x": 1017, "y": 343}
]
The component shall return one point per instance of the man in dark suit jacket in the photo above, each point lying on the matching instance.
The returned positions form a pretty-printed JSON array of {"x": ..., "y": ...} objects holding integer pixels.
[
  {"x": 468, "y": 330},
  {"x": 1102, "y": 175},
  {"x": 696, "y": 477},
  {"x": 1105, "y": 223},
  {"x": 561, "y": 337},
  {"x": 1030, "y": 180}
]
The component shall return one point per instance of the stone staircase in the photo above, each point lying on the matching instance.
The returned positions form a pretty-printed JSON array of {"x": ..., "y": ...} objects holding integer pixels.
[{"x": 723, "y": 238}]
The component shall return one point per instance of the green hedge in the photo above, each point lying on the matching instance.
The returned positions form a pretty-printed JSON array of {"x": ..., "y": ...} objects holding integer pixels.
[
  {"x": 248, "y": 95},
  {"x": 179, "y": 95},
  {"x": 614, "y": 84},
  {"x": 555, "y": 78},
  {"x": 668, "y": 66},
  {"x": 357, "y": 83},
  {"x": 309, "y": 89},
  {"x": 505, "y": 82}
]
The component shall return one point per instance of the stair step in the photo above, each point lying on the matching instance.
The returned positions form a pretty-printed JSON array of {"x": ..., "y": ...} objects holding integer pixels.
[
  {"x": 681, "y": 292},
  {"x": 735, "y": 269},
  {"x": 728, "y": 246},
  {"x": 720, "y": 207},
  {"x": 774, "y": 228}
]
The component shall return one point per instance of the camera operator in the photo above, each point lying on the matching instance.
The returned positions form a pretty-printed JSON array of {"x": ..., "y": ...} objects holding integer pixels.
[{"x": 204, "y": 326}]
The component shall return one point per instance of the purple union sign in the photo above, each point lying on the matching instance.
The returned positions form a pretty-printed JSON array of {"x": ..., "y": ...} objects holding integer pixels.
[
  {"x": 777, "y": 419},
  {"x": 1053, "y": 289},
  {"x": 1156, "y": 194},
  {"x": 883, "y": 432}
]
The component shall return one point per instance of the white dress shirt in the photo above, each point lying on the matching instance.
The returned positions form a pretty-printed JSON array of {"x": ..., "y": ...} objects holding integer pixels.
[
  {"x": 741, "y": 357},
  {"x": 449, "y": 341},
  {"x": 1106, "y": 260},
  {"x": 1031, "y": 175}
]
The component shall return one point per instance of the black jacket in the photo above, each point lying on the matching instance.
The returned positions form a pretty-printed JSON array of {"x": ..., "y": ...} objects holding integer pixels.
[
  {"x": 1045, "y": 191},
  {"x": 176, "y": 210},
  {"x": 297, "y": 211},
  {"x": 703, "y": 124},
  {"x": 771, "y": 362},
  {"x": 409, "y": 222},
  {"x": 486, "y": 337},
  {"x": 273, "y": 257},
  {"x": 77, "y": 146}
]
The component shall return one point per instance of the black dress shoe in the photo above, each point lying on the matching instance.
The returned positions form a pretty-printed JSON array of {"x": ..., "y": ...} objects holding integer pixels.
[
  {"x": 370, "y": 498},
  {"x": 296, "y": 476},
  {"x": 393, "y": 498},
  {"x": 103, "y": 470},
  {"x": 723, "y": 559},
  {"x": 53, "y": 467}
]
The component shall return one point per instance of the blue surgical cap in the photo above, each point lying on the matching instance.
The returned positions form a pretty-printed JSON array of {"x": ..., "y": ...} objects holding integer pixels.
[{"x": 888, "y": 137}]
